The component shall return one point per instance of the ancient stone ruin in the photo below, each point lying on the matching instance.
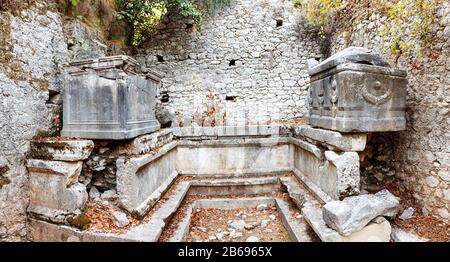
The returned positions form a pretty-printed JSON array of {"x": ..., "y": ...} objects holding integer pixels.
[
  {"x": 179, "y": 172},
  {"x": 246, "y": 131}
]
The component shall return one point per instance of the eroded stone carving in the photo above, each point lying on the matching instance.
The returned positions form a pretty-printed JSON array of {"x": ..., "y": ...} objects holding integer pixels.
[
  {"x": 105, "y": 99},
  {"x": 356, "y": 91}
]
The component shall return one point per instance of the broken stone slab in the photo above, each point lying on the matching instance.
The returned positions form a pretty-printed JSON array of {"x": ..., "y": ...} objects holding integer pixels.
[
  {"x": 331, "y": 176},
  {"x": 337, "y": 140},
  {"x": 54, "y": 187},
  {"x": 145, "y": 143},
  {"x": 400, "y": 235},
  {"x": 378, "y": 230},
  {"x": 346, "y": 165},
  {"x": 353, "y": 213},
  {"x": 63, "y": 150},
  {"x": 295, "y": 193}
]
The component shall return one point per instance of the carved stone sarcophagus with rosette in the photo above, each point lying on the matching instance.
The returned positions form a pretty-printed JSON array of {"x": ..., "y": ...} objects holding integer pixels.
[
  {"x": 105, "y": 99},
  {"x": 356, "y": 91}
]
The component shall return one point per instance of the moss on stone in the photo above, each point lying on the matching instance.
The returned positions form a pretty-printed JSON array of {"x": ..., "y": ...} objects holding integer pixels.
[
  {"x": 39, "y": 149},
  {"x": 80, "y": 221}
]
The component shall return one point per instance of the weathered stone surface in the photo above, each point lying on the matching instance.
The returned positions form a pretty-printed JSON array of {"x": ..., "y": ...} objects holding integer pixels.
[
  {"x": 229, "y": 131},
  {"x": 142, "y": 180},
  {"x": 351, "y": 92},
  {"x": 32, "y": 53},
  {"x": 353, "y": 213},
  {"x": 233, "y": 156},
  {"x": 407, "y": 214},
  {"x": 252, "y": 239},
  {"x": 378, "y": 230},
  {"x": 146, "y": 143},
  {"x": 120, "y": 219},
  {"x": 64, "y": 150},
  {"x": 340, "y": 141},
  {"x": 94, "y": 194},
  {"x": 54, "y": 187},
  {"x": 113, "y": 102},
  {"x": 400, "y": 235},
  {"x": 334, "y": 176}
]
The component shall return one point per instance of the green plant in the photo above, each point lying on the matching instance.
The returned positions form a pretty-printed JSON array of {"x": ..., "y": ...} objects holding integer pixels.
[
  {"x": 410, "y": 26},
  {"x": 144, "y": 15},
  {"x": 319, "y": 12}
]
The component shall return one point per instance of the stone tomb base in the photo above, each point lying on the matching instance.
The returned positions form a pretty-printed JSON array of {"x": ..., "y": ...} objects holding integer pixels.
[{"x": 305, "y": 165}]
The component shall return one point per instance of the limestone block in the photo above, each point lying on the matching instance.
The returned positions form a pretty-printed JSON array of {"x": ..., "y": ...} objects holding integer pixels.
[
  {"x": 64, "y": 150},
  {"x": 341, "y": 141},
  {"x": 378, "y": 230},
  {"x": 146, "y": 143},
  {"x": 355, "y": 91},
  {"x": 143, "y": 179},
  {"x": 229, "y": 131},
  {"x": 54, "y": 187},
  {"x": 330, "y": 175},
  {"x": 354, "y": 213}
]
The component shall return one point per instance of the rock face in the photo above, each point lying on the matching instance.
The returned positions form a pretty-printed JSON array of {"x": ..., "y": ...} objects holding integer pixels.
[
  {"x": 32, "y": 52},
  {"x": 353, "y": 213}
]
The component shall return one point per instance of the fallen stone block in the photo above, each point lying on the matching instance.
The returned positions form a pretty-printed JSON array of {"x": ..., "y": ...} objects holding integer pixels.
[
  {"x": 63, "y": 150},
  {"x": 330, "y": 175},
  {"x": 337, "y": 140},
  {"x": 354, "y": 213},
  {"x": 54, "y": 187},
  {"x": 378, "y": 230}
]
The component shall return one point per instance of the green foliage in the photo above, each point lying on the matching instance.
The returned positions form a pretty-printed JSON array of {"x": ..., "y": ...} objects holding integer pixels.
[
  {"x": 145, "y": 15},
  {"x": 410, "y": 26},
  {"x": 214, "y": 5},
  {"x": 319, "y": 12},
  {"x": 74, "y": 3}
]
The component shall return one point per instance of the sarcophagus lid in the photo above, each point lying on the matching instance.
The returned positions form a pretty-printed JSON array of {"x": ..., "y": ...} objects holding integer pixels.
[
  {"x": 105, "y": 99},
  {"x": 356, "y": 90}
]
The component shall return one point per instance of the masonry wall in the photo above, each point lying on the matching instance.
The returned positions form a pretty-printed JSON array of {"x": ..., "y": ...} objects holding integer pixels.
[
  {"x": 419, "y": 156},
  {"x": 34, "y": 45},
  {"x": 252, "y": 53}
]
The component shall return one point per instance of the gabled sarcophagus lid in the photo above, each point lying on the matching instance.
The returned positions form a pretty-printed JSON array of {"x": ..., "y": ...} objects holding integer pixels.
[{"x": 356, "y": 90}]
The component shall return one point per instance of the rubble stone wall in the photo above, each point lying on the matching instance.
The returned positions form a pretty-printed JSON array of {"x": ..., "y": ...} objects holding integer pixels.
[{"x": 246, "y": 66}]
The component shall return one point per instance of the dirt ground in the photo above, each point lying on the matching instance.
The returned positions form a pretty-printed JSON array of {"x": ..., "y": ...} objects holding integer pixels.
[{"x": 208, "y": 224}]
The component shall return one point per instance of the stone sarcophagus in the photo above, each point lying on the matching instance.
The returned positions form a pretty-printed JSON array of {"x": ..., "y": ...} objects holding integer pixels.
[
  {"x": 105, "y": 99},
  {"x": 356, "y": 91}
]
